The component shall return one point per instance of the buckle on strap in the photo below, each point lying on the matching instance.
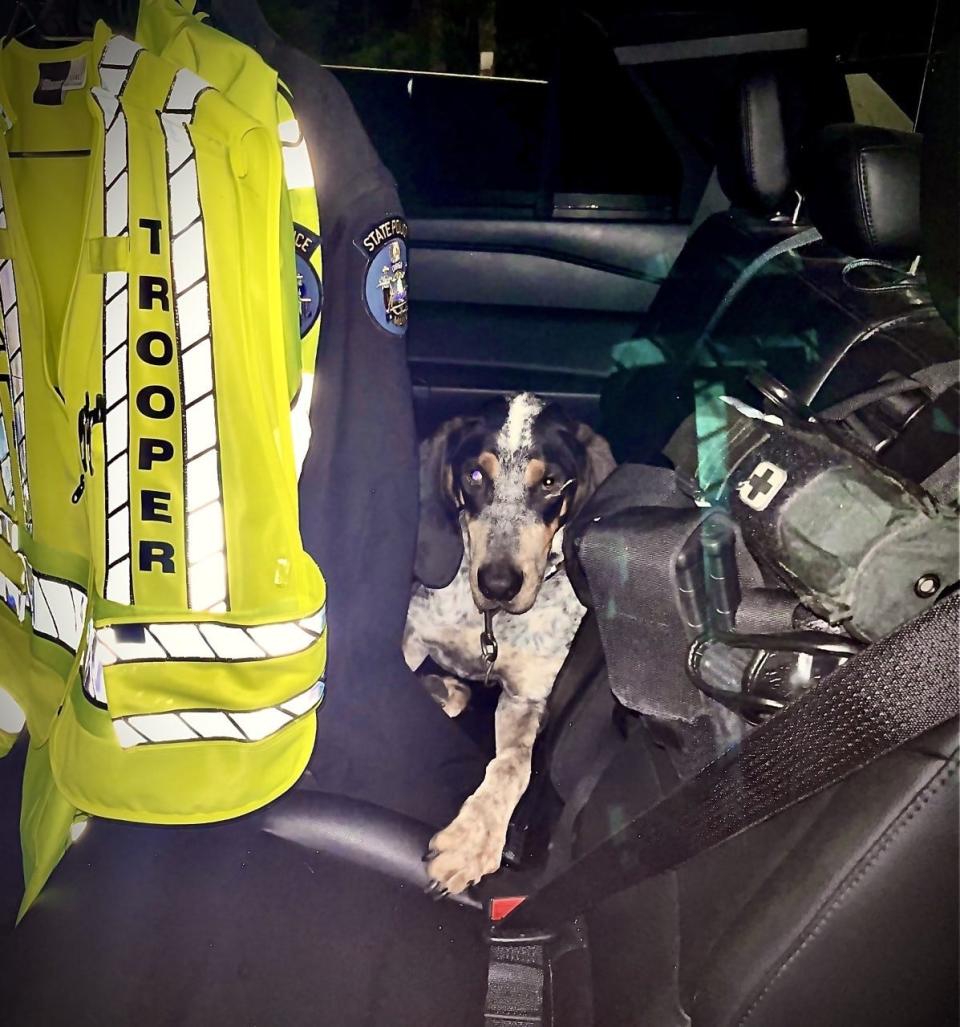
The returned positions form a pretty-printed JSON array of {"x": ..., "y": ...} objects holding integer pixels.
[{"x": 87, "y": 417}]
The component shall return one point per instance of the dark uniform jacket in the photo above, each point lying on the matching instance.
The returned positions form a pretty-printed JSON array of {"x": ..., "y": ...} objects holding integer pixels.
[{"x": 380, "y": 737}]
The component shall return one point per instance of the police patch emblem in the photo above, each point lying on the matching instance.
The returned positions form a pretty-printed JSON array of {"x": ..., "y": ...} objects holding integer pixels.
[
  {"x": 308, "y": 281},
  {"x": 385, "y": 280}
]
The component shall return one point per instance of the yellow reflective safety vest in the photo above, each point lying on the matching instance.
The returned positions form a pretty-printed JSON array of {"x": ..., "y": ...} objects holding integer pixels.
[{"x": 202, "y": 645}]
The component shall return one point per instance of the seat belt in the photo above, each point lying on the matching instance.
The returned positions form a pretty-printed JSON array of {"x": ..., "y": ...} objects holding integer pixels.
[
  {"x": 896, "y": 690},
  {"x": 792, "y": 242}
]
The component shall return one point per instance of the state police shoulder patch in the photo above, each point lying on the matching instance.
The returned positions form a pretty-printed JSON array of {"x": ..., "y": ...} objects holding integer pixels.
[
  {"x": 385, "y": 278},
  {"x": 308, "y": 280}
]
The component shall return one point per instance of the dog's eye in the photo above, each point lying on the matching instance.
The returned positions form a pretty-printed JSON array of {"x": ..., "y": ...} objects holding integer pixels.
[
  {"x": 554, "y": 485},
  {"x": 474, "y": 477}
]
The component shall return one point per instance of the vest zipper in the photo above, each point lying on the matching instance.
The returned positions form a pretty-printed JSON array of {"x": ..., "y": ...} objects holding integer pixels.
[{"x": 86, "y": 419}]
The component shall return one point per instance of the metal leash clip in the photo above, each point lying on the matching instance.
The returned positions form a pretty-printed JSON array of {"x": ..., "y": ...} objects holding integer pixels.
[{"x": 488, "y": 644}]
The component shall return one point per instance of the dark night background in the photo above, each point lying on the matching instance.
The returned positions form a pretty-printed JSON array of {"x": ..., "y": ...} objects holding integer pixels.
[{"x": 557, "y": 127}]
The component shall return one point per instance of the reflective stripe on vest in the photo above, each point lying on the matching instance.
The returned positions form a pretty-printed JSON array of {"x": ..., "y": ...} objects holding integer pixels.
[
  {"x": 12, "y": 717},
  {"x": 297, "y": 169},
  {"x": 9, "y": 532},
  {"x": 119, "y": 57},
  {"x": 11, "y": 342},
  {"x": 56, "y": 606},
  {"x": 6, "y": 463},
  {"x": 57, "y": 609},
  {"x": 299, "y": 179},
  {"x": 208, "y": 642},
  {"x": 215, "y": 725},
  {"x": 203, "y": 491},
  {"x": 13, "y": 597}
]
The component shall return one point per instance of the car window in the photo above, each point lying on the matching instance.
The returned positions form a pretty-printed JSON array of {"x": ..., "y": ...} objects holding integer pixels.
[
  {"x": 484, "y": 109},
  {"x": 884, "y": 58},
  {"x": 873, "y": 105}
]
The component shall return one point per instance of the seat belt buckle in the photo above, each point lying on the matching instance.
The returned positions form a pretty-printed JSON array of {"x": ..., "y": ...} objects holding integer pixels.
[{"x": 537, "y": 978}]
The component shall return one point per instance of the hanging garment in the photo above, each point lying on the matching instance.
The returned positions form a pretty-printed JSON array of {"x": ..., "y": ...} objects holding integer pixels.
[{"x": 203, "y": 645}]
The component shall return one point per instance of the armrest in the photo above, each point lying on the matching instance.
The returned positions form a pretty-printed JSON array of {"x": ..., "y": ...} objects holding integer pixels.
[{"x": 356, "y": 832}]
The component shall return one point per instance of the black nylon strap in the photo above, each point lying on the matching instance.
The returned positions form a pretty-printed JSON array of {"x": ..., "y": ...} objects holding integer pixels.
[
  {"x": 792, "y": 242},
  {"x": 942, "y": 484},
  {"x": 936, "y": 379},
  {"x": 895, "y": 691},
  {"x": 765, "y": 611}
]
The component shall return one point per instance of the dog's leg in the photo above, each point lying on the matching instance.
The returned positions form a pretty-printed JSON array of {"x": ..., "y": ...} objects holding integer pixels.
[
  {"x": 452, "y": 695},
  {"x": 415, "y": 650},
  {"x": 473, "y": 844}
]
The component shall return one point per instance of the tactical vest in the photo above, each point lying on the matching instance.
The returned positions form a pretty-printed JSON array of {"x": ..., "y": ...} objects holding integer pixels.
[{"x": 202, "y": 645}]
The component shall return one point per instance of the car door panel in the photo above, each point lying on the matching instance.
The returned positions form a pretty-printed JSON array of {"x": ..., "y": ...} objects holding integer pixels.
[{"x": 508, "y": 305}]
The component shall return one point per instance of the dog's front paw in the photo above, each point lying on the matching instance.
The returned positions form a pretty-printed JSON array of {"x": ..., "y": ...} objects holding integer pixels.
[{"x": 470, "y": 848}]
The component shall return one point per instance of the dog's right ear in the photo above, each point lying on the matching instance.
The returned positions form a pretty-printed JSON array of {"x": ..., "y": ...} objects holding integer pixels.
[{"x": 439, "y": 539}]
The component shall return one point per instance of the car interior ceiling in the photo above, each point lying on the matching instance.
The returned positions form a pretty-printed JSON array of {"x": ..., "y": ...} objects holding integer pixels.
[{"x": 808, "y": 271}]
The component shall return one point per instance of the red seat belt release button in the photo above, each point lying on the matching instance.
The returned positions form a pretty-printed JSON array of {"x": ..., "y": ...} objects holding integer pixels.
[{"x": 499, "y": 908}]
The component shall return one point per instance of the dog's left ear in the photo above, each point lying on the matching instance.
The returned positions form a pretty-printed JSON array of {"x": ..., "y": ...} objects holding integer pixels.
[
  {"x": 439, "y": 540},
  {"x": 599, "y": 465}
]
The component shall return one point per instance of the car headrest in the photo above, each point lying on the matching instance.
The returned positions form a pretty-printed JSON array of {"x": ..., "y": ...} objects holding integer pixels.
[
  {"x": 863, "y": 190},
  {"x": 752, "y": 164},
  {"x": 940, "y": 185}
]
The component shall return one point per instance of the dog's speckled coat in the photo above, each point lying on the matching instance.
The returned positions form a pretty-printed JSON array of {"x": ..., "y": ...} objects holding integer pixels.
[
  {"x": 445, "y": 624},
  {"x": 533, "y": 643}
]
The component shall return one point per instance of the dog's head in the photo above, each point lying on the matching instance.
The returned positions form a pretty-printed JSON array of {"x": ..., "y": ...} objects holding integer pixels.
[{"x": 515, "y": 475}]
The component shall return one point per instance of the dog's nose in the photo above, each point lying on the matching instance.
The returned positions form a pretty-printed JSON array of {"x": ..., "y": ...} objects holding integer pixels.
[{"x": 499, "y": 581}]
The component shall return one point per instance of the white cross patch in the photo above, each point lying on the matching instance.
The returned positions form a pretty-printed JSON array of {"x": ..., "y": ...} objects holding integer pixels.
[{"x": 759, "y": 490}]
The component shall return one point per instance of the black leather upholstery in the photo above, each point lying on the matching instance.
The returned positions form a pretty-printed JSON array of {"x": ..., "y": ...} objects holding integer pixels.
[
  {"x": 940, "y": 186},
  {"x": 804, "y": 297},
  {"x": 752, "y": 163},
  {"x": 707, "y": 266},
  {"x": 227, "y": 924},
  {"x": 863, "y": 190},
  {"x": 355, "y": 832},
  {"x": 776, "y": 106},
  {"x": 837, "y": 912}
]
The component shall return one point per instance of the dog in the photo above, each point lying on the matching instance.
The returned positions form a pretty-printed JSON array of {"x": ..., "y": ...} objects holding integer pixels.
[{"x": 495, "y": 493}]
